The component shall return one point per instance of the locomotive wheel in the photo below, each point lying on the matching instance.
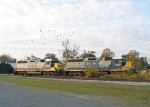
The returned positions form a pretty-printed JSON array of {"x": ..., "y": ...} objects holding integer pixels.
[
  {"x": 15, "y": 73},
  {"x": 66, "y": 73},
  {"x": 24, "y": 73},
  {"x": 108, "y": 72},
  {"x": 49, "y": 74},
  {"x": 21, "y": 73},
  {"x": 44, "y": 73}
]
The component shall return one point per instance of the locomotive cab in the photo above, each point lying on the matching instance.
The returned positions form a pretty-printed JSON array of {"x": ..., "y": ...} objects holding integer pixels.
[
  {"x": 117, "y": 64},
  {"x": 56, "y": 66}
]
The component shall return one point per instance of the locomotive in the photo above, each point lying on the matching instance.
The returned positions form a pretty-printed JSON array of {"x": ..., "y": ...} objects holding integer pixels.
[
  {"x": 73, "y": 67},
  {"x": 38, "y": 66},
  {"x": 78, "y": 66}
]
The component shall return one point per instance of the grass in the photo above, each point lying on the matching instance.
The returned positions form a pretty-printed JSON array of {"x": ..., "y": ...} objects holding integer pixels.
[
  {"x": 139, "y": 95},
  {"x": 5, "y": 74}
]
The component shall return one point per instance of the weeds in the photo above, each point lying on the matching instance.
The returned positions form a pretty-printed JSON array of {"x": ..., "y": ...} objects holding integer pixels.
[{"x": 128, "y": 76}]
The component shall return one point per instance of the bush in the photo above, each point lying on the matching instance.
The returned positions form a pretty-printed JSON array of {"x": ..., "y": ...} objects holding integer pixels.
[
  {"x": 6, "y": 68},
  {"x": 128, "y": 76},
  {"x": 89, "y": 72}
]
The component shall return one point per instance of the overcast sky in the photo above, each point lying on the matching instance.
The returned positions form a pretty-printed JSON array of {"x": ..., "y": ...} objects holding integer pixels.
[{"x": 34, "y": 26}]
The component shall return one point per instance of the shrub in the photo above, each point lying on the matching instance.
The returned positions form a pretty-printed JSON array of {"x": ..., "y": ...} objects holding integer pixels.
[
  {"x": 128, "y": 76},
  {"x": 89, "y": 72}
]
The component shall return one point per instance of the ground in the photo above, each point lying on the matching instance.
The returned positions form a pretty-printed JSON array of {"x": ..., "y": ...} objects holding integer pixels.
[
  {"x": 41, "y": 92},
  {"x": 14, "y": 96}
]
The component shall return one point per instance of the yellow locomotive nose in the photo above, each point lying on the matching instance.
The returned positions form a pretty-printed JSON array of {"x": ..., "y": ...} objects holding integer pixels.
[{"x": 58, "y": 66}]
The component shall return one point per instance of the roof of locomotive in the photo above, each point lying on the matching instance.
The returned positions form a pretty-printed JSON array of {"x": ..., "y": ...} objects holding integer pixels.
[
  {"x": 117, "y": 57},
  {"x": 75, "y": 59},
  {"x": 81, "y": 59},
  {"x": 92, "y": 58},
  {"x": 36, "y": 60}
]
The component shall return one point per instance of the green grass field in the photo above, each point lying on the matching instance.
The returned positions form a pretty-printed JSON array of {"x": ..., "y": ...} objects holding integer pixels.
[{"x": 134, "y": 95}]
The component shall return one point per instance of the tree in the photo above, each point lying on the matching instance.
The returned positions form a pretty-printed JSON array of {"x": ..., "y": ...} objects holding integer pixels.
[
  {"x": 144, "y": 61},
  {"x": 7, "y": 58},
  {"x": 31, "y": 57},
  {"x": 138, "y": 62},
  {"x": 133, "y": 54},
  {"x": 69, "y": 50},
  {"x": 75, "y": 51},
  {"x": 88, "y": 54},
  {"x": 6, "y": 68},
  {"x": 50, "y": 56},
  {"x": 107, "y": 53},
  {"x": 66, "y": 50}
]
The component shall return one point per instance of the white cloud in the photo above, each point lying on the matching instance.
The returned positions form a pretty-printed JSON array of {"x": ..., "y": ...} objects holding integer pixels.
[{"x": 98, "y": 25}]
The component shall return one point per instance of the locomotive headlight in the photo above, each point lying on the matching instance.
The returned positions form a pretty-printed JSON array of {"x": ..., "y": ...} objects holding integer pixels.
[
  {"x": 94, "y": 63},
  {"x": 86, "y": 63}
]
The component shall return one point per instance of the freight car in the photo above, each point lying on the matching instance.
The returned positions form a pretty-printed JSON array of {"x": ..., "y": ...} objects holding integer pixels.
[
  {"x": 79, "y": 66},
  {"x": 38, "y": 66}
]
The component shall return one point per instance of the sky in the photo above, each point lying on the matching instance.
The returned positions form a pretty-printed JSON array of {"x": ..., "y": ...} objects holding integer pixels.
[{"x": 39, "y": 26}]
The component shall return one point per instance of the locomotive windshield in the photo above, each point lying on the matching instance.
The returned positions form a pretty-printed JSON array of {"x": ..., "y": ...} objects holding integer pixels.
[
  {"x": 42, "y": 60},
  {"x": 21, "y": 61},
  {"x": 75, "y": 60},
  {"x": 53, "y": 61},
  {"x": 93, "y": 58},
  {"x": 108, "y": 58}
]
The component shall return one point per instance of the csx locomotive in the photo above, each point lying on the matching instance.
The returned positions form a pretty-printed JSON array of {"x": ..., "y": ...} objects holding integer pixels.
[
  {"x": 39, "y": 66},
  {"x": 78, "y": 66},
  {"x": 73, "y": 66}
]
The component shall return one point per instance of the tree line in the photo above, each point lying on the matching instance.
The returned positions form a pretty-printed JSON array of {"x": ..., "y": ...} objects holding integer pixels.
[{"x": 72, "y": 51}]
